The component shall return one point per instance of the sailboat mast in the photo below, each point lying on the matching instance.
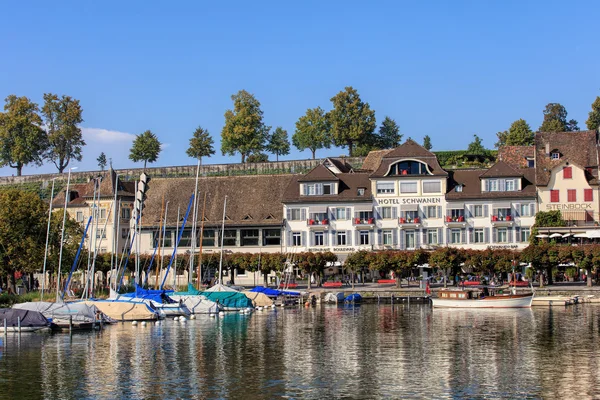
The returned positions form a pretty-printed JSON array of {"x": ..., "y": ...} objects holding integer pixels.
[
  {"x": 62, "y": 237},
  {"x": 113, "y": 278},
  {"x": 47, "y": 237},
  {"x": 116, "y": 218},
  {"x": 201, "y": 239},
  {"x": 222, "y": 238},
  {"x": 160, "y": 235},
  {"x": 194, "y": 223},
  {"x": 175, "y": 262}
]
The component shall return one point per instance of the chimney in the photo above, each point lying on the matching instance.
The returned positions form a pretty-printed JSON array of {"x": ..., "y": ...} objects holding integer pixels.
[{"x": 547, "y": 149}]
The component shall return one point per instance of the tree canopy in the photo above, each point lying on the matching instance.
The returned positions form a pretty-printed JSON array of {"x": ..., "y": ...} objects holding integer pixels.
[
  {"x": 555, "y": 119},
  {"x": 476, "y": 146},
  {"x": 312, "y": 131},
  {"x": 279, "y": 144},
  {"x": 244, "y": 131},
  {"x": 427, "y": 142},
  {"x": 145, "y": 147},
  {"x": 101, "y": 161},
  {"x": 352, "y": 120},
  {"x": 62, "y": 118},
  {"x": 389, "y": 134},
  {"x": 519, "y": 134},
  {"x": 593, "y": 121},
  {"x": 201, "y": 144},
  {"x": 22, "y": 140}
]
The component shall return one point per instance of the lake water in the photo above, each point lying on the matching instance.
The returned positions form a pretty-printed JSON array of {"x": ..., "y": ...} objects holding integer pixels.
[{"x": 371, "y": 351}]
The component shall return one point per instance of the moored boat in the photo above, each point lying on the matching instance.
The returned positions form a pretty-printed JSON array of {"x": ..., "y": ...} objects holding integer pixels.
[
  {"x": 481, "y": 298},
  {"x": 17, "y": 320},
  {"x": 552, "y": 301},
  {"x": 126, "y": 311},
  {"x": 76, "y": 315}
]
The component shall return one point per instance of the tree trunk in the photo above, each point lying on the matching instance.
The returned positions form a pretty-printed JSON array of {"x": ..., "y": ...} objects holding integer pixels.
[
  {"x": 349, "y": 148},
  {"x": 266, "y": 279},
  {"x": 399, "y": 281},
  {"x": 550, "y": 281},
  {"x": 588, "y": 277},
  {"x": 19, "y": 168},
  {"x": 352, "y": 279},
  {"x": 11, "y": 283},
  {"x": 277, "y": 156},
  {"x": 243, "y": 158},
  {"x": 145, "y": 161},
  {"x": 232, "y": 276},
  {"x": 314, "y": 151},
  {"x": 309, "y": 279}
]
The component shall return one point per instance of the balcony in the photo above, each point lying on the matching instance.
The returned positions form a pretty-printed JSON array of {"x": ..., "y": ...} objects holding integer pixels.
[
  {"x": 363, "y": 222},
  {"x": 408, "y": 222},
  {"x": 455, "y": 221},
  {"x": 502, "y": 220},
  {"x": 316, "y": 224}
]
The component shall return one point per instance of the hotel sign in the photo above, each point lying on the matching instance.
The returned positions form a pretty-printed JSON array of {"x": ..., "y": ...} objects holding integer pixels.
[
  {"x": 412, "y": 200},
  {"x": 569, "y": 206}
]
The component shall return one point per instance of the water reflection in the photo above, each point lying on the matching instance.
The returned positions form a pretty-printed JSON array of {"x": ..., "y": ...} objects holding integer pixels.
[{"x": 325, "y": 352}]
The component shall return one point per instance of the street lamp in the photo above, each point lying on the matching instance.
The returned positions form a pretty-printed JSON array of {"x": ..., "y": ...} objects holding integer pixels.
[
  {"x": 62, "y": 235},
  {"x": 47, "y": 236}
]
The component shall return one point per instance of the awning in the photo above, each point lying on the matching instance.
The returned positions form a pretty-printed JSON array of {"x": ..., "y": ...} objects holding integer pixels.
[
  {"x": 574, "y": 215},
  {"x": 581, "y": 235},
  {"x": 593, "y": 234},
  {"x": 556, "y": 235},
  {"x": 502, "y": 205},
  {"x": 317, "y": 209},
  {"x": 363, "y": 207},
  {"x": 566, "y": 235},
  {"x": 409, "y": 207},
  {"x": 541, "y": 236},
  {"x": 460, "y": 206}
]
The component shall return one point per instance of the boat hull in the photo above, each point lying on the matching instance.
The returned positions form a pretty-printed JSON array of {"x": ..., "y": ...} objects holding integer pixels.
[
  {"x": 553, "y": 301},
  {"x": 125, "y": 311},
  {"x": 521, "y": 301}
]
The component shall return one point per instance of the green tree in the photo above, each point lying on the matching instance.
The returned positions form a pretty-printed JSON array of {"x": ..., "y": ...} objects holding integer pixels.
[
  {"x": 244, "y": 131},
  {"x": 448, "y": 260},
  {"x": 389, "y": 134},
  {"x": 593, "y": 121},
  {"x": 312, "y": 131},
  {"x": 519, "y": 134},
  {"x": 352, "y": 120},
  {"x": 427, "y": 142},
  {"x": 22, "y": 140},
  {"x": 279, "y": 144},
  {"x": 62, "y": 117},
  {"x": 145, "y": 147},
  {"x": 555, "y": 119},
  {"x": 257, "y": 157},
  {"x": 476, "y": 146},
  {"x": 357, "y": 262},
  {"x": 201, "y": 144},
  {"x": 101, "y": 161}
]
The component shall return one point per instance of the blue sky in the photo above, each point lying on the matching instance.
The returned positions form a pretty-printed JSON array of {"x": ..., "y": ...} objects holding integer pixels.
[{"x": 446, "y": 69}]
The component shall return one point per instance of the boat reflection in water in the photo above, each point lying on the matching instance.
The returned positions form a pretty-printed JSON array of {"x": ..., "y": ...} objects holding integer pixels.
[{"x": 370, "y": 351}]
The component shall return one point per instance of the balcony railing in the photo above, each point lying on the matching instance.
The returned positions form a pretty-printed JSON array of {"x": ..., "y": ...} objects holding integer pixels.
[
  {"x": 502, "y": 220},
  {"x": 317, "y": 223},
  {"x": 409, "y": 221},
  {"x": 363, "y": 221}
]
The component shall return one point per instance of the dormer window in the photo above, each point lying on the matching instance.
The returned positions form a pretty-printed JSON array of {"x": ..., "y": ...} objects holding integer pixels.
[
  {"x": 459, "y": 188},
  {"x": 409, "y": 167},
  {"x": 555, "y": 155},
  {"x": 318, "y": 189},
  {"x": 361, "y": 191},
  {"x": 530, "y": 163},
  {"x": 501, "y": 185}
]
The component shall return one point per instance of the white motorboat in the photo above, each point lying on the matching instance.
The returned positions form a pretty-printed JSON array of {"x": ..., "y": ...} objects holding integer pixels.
[{"x": 481, "y": 298}]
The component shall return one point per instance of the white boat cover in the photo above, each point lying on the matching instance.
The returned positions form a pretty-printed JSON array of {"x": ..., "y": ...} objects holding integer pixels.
[
  {"x": 197, "y": 304},
  {"x": 334, "y": 297},
  {"x": 80, "y": 311},
  {"x": 258, "y": 299}
]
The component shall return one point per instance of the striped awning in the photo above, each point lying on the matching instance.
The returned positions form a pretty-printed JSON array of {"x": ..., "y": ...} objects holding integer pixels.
[
  {"x": 363, "y": 207},
  {"x": 409, "y": 207},
  {"x": 573, "y": 215}
]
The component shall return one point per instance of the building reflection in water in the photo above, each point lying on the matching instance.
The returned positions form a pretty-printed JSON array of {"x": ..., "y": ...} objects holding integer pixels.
[{"x": 367, "y": 351}]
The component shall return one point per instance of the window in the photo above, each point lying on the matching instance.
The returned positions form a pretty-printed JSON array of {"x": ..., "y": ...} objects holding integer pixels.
[
  {"x": 525, "y": 233},
  {"x": 318, "y": 238},
  {"x": 341, "y": 238},
  {"x": 249, "y": 237},
  {"x": 364, "y": 237},
  {"x": 317, "y": 189},
  {"x": 432, "y": 187},
  {"x": 493, "y": 185},
  {"x": 186, "y": 239},
  {"x": 361, "y": 191},
  {"x": 386, "y": 212},
  {"x": 79, "y": 217},
  {"x": 340, "y": 213},
  {"x": 530, "y": 163},
  {"x": 387, "y": 238},
  {"x": 410, "y": 239},
  {"x": 271, "y": 237},
  {"x": 478, "y": 211},
  {"x": 571, "y": 195},
  {"x": 554, "y": 196},
  {"x": 230, "y": 237},
  {"x": 408, "y": 187},
  {"x": 555, "y": 156},
  {"x": 567, "y": 173},
  {"x": 364, "y": 217},
  {"x": 502, "y": 235},
  {"x": 455, "y": 236},
  {"x": 125, "y": 213},
  {"x": 124, "y": 232},
  {"x": 431, "y": 211},
  {"x": 456, "y": 213},
  {"x": 310, "y": 189},
  {"x": 103, "y": 213},
  {"x": 167, "y": 239},
  {"x": 502, "y": 213},
  {"x": 317, "y": 218},
  {"x": 459, "y": 188},
  {"x": 525, "y": 210},
  {"x": 295, "y": 214},
  {"x": 408, "y": 168},
  {"x": 296, "y": 239},
  {"x": 588, "y": 195},
  {"x": 327, "y": 188},
  {"x": 478, "y": 236},
  {"x": 100, "y": 234},
  {"x": 432, "y": 236},
  {"x": 208, "y": 238},
  {"x": 385, "y": 187},
  {"x": 409, "y": 216},
  {"x": 510, "y": 185}
]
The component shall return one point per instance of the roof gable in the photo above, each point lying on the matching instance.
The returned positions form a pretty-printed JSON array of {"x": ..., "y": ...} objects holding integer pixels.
[
  {"x": 318, "y": 174},
  {"x": 501, "y": 169},
  {"x": 410, "y": 148}
]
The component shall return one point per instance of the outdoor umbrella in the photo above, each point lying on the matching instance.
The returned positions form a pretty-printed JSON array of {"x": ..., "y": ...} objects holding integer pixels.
[{"x": 556, "y": 235}]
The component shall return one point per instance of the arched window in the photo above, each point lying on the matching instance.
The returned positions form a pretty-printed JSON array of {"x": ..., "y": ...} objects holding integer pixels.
[{"x": 409, "y": 167}]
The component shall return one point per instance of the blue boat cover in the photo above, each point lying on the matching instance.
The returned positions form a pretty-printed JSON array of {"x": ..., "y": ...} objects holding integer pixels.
[
  {"x": 274, "y": 292},
  {"x": 158, "y": 296},
  {"x": 353, "y": 298}
]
